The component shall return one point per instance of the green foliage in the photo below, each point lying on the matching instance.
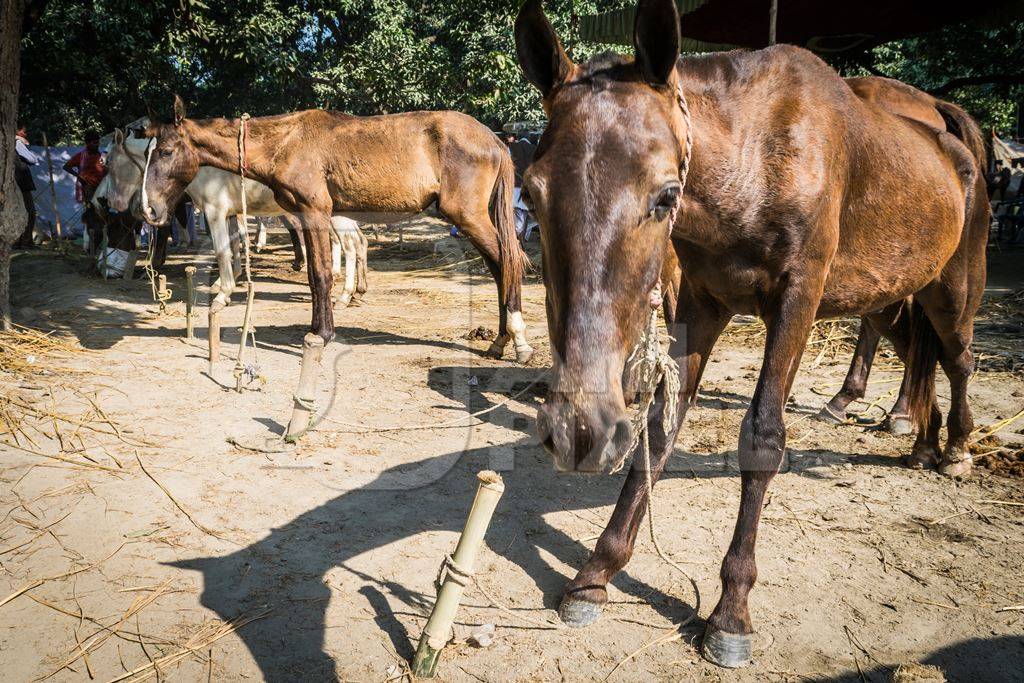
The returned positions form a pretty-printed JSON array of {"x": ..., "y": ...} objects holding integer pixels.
[
  {"x": 931, "y": 61},
  {"x": 99, "y": 63}
]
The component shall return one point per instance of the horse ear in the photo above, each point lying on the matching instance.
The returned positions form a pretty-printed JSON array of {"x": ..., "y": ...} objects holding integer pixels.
[
  {"x": 179, "y": 110},
  {"x": 540, "y": 53},
  {"x": 656, "y": 39},
  {"x": 118, "y": 137}
]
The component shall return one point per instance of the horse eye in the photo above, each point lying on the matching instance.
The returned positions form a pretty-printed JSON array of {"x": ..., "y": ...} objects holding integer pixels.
[
  {"x": 664, "y": 204},
  {"x": 166, "y": 153}
]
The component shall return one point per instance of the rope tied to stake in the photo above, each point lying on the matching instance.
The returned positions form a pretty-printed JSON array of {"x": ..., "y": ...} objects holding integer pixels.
[{"x": 451, "y": 570}]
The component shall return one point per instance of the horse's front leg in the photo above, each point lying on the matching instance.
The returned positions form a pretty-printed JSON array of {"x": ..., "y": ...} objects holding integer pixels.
[
  {"x": 699, "y": 325},
  {"x": 728, "y": 640},
  {"x": 316, "y": 228}
]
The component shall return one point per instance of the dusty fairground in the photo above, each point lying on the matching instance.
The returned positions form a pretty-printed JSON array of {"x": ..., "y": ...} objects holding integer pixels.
[{"x": 136, "y": 541}]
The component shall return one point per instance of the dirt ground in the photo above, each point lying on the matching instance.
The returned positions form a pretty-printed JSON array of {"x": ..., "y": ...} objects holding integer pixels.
[{"x": 136, "y": 541}]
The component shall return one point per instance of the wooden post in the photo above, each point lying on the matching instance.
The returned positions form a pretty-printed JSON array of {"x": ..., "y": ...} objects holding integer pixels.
[
  {"x": 190, "y": 297},
  {"x": 772, "y": 19},
  {"x": 214, "y": 333},
  {"x": 246, "y": 326},
  {"x": 53, "y": 189},
  {"x": 438, "y": 630},
  {"x": 305, "y": 394},
  {"x": 161, "y": 287}
]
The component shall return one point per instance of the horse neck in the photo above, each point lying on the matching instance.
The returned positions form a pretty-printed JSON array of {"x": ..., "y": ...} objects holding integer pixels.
[{"x": 216, "y": 143}]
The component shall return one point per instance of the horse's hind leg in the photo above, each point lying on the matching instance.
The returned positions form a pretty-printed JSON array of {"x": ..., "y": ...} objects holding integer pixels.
[
  {"x": 482, "y": 235},
  {"x": 362, "y": 281},
  {"x": 952, "y": 318},
  {"x": 856, "y": 380},
  {"x": 298, "y": 251}
]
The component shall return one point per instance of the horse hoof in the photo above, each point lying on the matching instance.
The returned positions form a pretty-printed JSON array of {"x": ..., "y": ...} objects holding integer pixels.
[
  {"x": 827, "y": 414},
  {"x": 297, "y": 266},
  {"x": 898, "y": 425},
  {"x": 922, "y": 458},
  {"x": 576, "y": 613},
  {"x": 731, "y": 650},
  {"x": 956, "y": 463},
  {"x": 524, "y": 354},
  {"x": 497, "y": 348}
]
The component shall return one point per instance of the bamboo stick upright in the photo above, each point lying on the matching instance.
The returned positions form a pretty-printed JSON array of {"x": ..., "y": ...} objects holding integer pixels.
[{"x": 438, "y": 630}]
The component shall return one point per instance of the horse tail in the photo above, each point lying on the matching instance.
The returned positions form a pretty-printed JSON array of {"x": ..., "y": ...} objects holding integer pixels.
[
  {"x": 514, "y": 261},
  {"x": 922, "y": 357},
  {"x": 960, "y": 124}
]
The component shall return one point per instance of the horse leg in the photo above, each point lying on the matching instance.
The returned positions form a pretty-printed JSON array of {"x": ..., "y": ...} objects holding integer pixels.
[
  {"x": 894, "y": 324},
  {"x": 181, "y": 216},
  {"x": 362, "y": 281},
  {"x": 341, "y": 241},
  {"x": 728, "y": 639},
  {"x": 261, "y": 235},
  {"x": 236, "y": 243},
  {"x": 224, "y": 286},
  {"x": 955, "y": 332},
  {"x": 856, "y": 377},
  {"x": 586, "y": 595},
  {"x": 484, "y": 236},
  {"x": 162, "y": 237},
  {"x": 316, "y": 227},
  {"x": 298, "y": 251}
]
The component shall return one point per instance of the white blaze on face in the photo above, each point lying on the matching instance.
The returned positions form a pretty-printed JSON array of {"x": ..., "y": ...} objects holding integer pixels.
[{"x": 145, "y": 173}]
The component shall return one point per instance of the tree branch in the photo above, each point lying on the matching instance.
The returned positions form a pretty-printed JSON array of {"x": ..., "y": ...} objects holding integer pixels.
[{"x": 993, "y": 79}]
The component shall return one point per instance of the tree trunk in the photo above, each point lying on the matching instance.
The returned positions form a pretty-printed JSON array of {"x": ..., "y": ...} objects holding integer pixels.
[{"x": 12, "y": 208}]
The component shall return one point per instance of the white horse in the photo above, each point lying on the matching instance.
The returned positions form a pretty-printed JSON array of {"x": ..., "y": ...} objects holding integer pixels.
[{"x": 217, "y": 193}]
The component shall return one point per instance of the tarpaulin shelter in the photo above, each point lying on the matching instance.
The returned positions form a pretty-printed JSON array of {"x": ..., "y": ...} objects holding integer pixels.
[{"x": 710, "y": 25}]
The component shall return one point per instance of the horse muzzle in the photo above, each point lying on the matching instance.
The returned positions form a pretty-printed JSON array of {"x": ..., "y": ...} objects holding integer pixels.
[{"x": 589, "y": 437}]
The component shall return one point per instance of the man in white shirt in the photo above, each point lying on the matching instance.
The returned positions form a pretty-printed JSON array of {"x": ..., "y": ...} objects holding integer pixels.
[{"x": 24, "y": 159}]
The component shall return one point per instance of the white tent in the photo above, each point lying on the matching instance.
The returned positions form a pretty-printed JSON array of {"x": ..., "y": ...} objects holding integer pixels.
[{"x": 64, "y": 187}]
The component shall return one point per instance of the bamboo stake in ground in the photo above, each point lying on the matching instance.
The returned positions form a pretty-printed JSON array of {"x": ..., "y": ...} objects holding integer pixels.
[
  {"x": 190, "y": 297},
  {"x": 246, "y": 326},
  {"x": 458, "y": 571},
  {"x": 305, "y": 394},
  {"x": 214, "y": 333}
]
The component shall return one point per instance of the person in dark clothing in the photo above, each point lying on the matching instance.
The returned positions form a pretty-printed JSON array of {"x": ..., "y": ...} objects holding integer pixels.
[{"x": 23, "y": 161}]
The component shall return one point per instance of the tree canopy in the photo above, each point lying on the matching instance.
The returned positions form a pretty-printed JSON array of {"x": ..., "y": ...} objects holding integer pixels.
[{"x": 99, "y": 63}]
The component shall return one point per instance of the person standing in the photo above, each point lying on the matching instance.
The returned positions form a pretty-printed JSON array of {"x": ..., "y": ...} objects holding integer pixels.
[
  {"x": 23, "y": 161},
  {"x": 88, "y": 167}
]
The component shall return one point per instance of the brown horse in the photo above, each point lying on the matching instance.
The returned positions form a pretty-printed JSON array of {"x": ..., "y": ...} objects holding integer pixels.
[
  {"x": 320, "y": 163},
  {"x": 801, "y": 201},
  {"x": 904, "y": 100}
]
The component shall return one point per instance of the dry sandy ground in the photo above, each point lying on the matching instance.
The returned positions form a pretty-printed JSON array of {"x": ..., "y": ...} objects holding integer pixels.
[{"x": 323, "y": 556}]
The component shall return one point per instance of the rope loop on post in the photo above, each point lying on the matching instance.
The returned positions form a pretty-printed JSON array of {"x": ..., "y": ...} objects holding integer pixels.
[{"x": 451, "y": 570}]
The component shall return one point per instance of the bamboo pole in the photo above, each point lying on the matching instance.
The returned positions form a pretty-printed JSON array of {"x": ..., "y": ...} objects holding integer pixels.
[
  {"x": 438, "y": 630},
  {"x": 53, "y": 189},
  {"x": 250, "y": 294},
  {"x": 305, "y": 394},
  {"x": 190, "y": 297},
  {"x": 214, "y": 333}
]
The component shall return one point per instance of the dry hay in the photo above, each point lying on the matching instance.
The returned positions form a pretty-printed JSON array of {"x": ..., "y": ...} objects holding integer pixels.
[
  {"x": 25, "y": 352},
  {"x": 829, "y": 340},
  {"x": 912, "y": 672}
]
